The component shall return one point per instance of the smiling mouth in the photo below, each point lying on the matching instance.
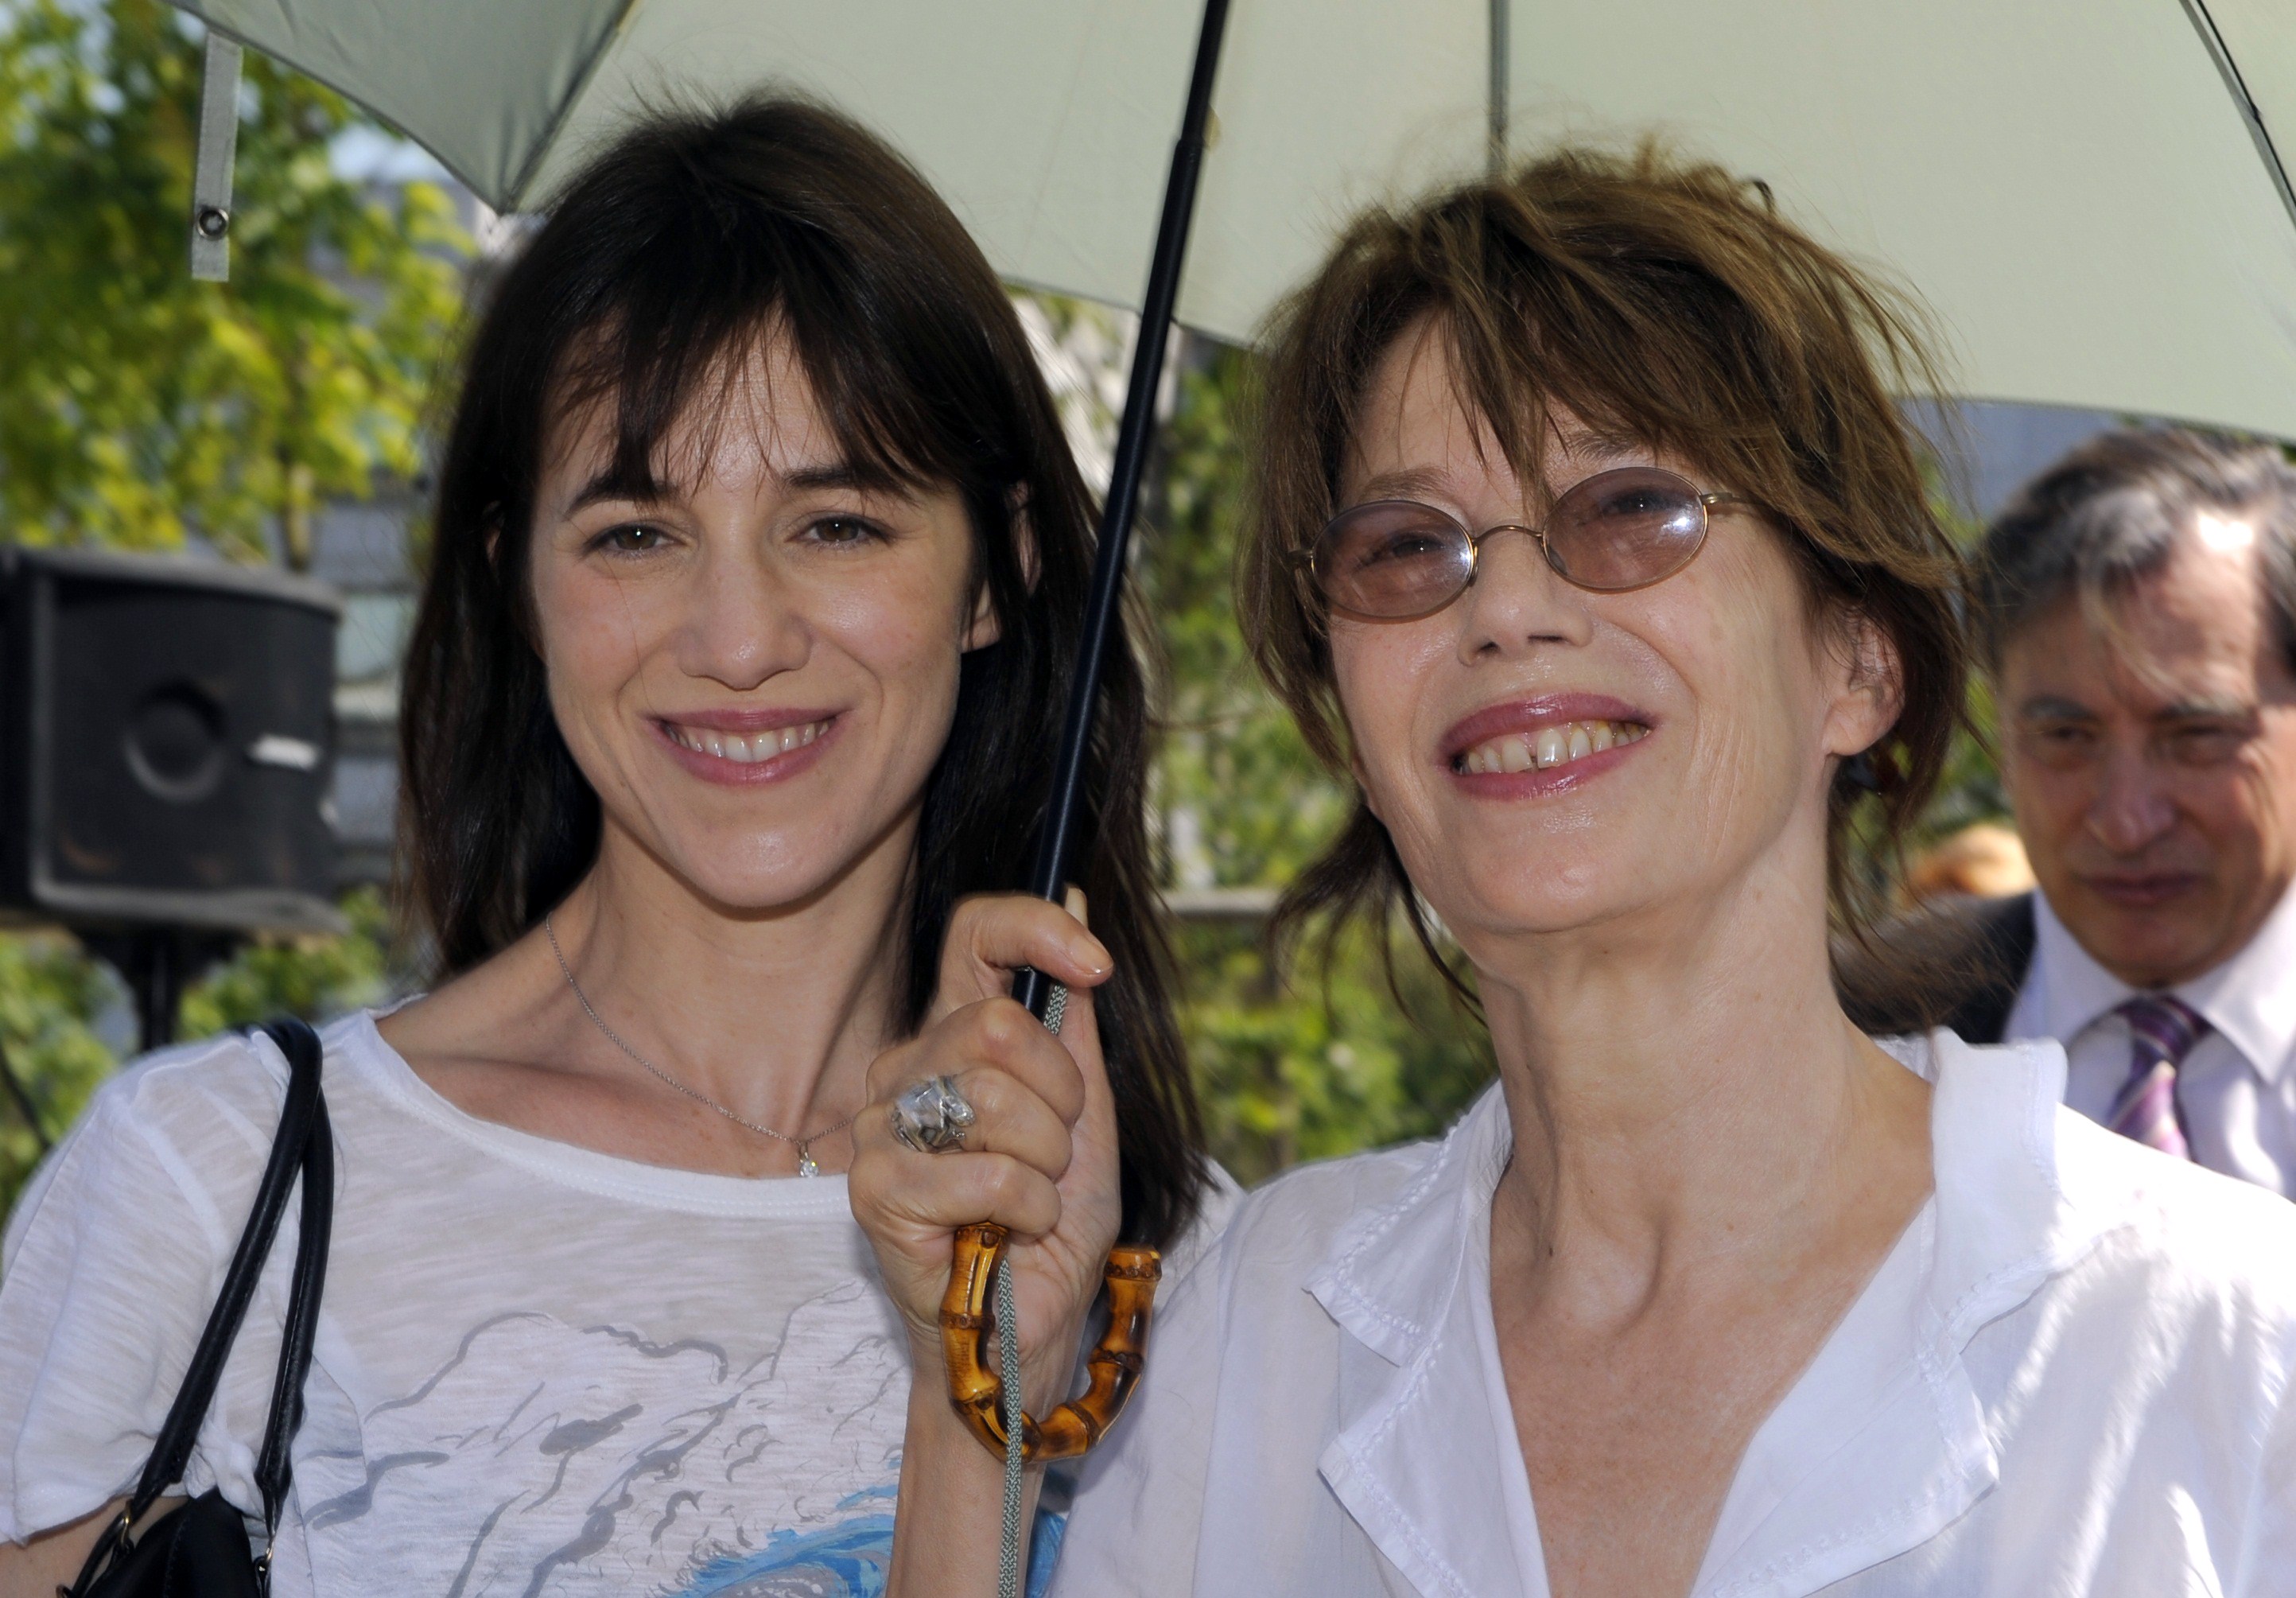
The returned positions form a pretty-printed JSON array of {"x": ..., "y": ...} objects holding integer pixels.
[
  {"x": 743, "y": 749},
  {"x": 1548, "y": 747}
]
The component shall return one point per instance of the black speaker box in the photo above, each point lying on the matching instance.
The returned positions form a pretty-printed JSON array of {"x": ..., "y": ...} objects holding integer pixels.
[{"x": 166, "y": 743}]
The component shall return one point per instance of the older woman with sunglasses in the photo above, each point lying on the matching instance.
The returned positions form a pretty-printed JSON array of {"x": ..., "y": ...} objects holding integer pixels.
[{"x": 1591, "y": 547}]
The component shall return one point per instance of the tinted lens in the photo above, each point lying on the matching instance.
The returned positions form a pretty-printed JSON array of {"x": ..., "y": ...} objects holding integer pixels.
[
  {"x": 1392, "y": 559},
  {"x": 1622, "y": 530}
]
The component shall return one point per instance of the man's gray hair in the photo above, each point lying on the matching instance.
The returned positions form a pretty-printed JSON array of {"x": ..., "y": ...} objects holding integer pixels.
[{"x": 2112, "y": 512}]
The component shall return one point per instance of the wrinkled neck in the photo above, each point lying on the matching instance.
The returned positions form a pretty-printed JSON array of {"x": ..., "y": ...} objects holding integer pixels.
[{"x": 1686, "y": 1094}]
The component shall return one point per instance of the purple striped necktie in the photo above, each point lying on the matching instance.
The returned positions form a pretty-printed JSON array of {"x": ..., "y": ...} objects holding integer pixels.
[{"x": 2162, "y": 1031}]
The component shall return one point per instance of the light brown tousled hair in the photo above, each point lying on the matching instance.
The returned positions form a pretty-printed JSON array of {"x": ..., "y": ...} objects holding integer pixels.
[{"x": 1651, "y": 299}]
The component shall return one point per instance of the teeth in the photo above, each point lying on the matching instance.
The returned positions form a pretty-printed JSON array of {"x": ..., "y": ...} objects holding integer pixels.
[
  {"x": 1550, "y": 746},
  {"x": 749, "y": 751}
]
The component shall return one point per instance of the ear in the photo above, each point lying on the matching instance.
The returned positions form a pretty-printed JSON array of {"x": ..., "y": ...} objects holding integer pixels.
[
  {"x": 982, "y": 628},
  {"x": 1024, "y": 535},
  {"x": 522, "y": 606},
  {"x": 491, "y": 520},
  {"x": 1869, "y": 688}
]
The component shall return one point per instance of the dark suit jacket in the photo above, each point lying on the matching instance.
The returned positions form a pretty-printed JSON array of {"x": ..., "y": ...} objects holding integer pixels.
[{"x": 1958, "y": 963}]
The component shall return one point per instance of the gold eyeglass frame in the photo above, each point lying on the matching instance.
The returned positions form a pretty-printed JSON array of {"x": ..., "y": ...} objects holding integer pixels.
[{"x": 1303, "y": 561}]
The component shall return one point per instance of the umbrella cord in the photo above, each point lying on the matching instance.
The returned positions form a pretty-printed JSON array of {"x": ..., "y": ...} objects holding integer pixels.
[
  {"x": 1008, "y": 1369},
  {"x": 1008, "y": 1363}
]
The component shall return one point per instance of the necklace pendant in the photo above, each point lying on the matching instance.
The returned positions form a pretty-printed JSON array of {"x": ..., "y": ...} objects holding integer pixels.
[{"x": 805, "y": 1166}]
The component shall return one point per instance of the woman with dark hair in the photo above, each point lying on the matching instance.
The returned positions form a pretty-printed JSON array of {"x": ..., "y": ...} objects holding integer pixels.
[
  {"x": 757, "y": 570},
  {"x": 1590, "y": 545}
]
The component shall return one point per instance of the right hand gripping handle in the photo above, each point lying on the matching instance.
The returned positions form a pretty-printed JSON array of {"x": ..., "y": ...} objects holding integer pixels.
[{"x": 1114, "y": 1365}]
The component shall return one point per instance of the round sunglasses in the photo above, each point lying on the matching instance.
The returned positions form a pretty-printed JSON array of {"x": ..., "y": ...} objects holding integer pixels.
[{"x": 1397, "y": 560}]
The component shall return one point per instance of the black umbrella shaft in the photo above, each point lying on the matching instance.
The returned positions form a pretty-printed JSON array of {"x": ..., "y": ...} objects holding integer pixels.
[{"x": 1057, "y": 842}]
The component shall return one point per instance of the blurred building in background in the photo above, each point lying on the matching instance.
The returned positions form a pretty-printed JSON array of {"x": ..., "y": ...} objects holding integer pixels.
[
  {"x": 366, "y": 549},
  {"x": 2008, "y": 445}
]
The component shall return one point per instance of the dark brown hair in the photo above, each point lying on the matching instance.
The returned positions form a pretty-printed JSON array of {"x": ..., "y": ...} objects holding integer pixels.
[
  {"x": 660, "y": 268},
  {"x": 2113, "y": 510},
  {"x": 1655, "y": 300}
]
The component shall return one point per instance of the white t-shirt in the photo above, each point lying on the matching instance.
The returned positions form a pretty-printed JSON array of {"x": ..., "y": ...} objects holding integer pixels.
[
  {"x": 2071, "y": 1376},
  {"x": 538, "y": 1369}
]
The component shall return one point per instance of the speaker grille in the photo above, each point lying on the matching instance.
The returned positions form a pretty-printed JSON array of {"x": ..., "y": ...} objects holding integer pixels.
[{"x": 176, "y": 758}]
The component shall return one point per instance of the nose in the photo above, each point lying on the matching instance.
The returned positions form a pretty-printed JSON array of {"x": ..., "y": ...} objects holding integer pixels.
[
  {"x": 743, "y": 622},
  {"x": 2132, "y": 807},
  {"x": 1517, "y": 600}
]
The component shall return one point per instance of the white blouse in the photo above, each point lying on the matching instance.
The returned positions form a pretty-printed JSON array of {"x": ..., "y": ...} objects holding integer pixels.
[{"x": 2069, "y": 1377}]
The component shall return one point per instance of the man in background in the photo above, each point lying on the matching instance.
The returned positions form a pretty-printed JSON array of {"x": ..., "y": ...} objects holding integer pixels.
[{"x": 2138, "y": 610}]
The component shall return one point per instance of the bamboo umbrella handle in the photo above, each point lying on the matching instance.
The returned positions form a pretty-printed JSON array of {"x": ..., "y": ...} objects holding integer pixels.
[{"x": 976, "y": 1393}]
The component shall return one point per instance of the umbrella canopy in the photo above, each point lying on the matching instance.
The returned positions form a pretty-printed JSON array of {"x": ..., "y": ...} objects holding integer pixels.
[{"x": 2086, "y": 191}]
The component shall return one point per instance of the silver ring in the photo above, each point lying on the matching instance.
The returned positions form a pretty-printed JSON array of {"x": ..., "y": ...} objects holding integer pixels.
[{"x": 932, "y": 1116}]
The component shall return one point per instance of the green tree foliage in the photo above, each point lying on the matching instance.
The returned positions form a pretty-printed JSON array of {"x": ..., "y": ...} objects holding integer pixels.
[
  {"x": 137, "y": 405},
  {"x": 1243, "y": 802},
  {"x": 315, "y": 978},
  {"x": 1297, "y": 1063},
  {"x": 51, "y": 996}
]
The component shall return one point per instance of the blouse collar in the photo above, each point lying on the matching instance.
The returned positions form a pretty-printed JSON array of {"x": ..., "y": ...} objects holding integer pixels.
[{"x": 1878, "y": 1446}]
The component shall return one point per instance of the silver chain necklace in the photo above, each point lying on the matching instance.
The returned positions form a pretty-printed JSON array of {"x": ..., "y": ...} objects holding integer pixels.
[{"x": 805, "y": 1164}]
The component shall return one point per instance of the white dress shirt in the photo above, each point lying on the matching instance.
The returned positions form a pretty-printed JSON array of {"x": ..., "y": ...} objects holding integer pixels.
[
  {"x": 2070, "y": 1376},
  {"x": 2236, "y": 1088}
]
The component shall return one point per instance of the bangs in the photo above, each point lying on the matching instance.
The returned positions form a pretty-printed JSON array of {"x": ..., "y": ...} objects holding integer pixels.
[
  {"x": 699, "y": 308},
  {"x": 1537, "y": 370},
  {"x": 1523, "y": 391}
]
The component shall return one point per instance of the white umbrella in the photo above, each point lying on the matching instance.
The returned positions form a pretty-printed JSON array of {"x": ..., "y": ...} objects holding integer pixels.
[{"x": 2084, "y": 190}]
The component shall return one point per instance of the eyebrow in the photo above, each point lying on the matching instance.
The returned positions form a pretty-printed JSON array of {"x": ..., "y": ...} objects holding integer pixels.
[
  {"x": 1415, "y": 483},
  {"x": 1591, "y": 444},
  {"x": 610, "y": 484},
  {"x": 2049, "y": 708},
  {"x": 836, "y": 474},
  {"x": 2206, "y": 709},
  {"x": 1598, "y": 450}
]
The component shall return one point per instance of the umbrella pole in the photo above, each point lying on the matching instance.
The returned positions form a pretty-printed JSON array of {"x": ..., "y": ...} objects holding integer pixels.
[{"x": 1049, "y": 876}]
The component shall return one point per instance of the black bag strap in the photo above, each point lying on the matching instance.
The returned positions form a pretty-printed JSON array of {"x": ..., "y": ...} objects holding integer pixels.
[
  {"x": 273, "y": 1471},
  {"x": 305, "y": 1147}
]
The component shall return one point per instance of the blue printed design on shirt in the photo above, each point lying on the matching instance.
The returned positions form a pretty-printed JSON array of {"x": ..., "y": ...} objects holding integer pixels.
[
  {"x": 1045, "y": 1551},
  {"x": 847, "y": 1560}
]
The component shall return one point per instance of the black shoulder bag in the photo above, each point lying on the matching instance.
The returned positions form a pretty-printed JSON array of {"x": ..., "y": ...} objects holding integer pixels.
[{"x": 199, "y": 1550}]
